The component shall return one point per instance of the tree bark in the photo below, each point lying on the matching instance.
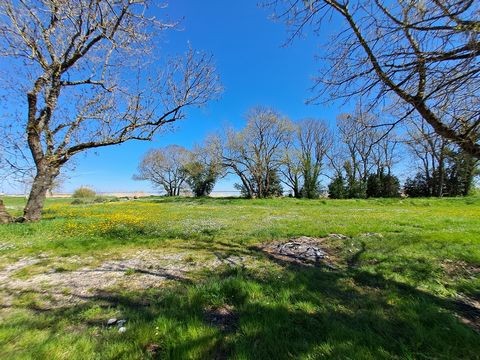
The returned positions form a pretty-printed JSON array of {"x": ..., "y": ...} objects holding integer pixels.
[
  {"x": 5, "y": 217},
  {"x": 36, "y": 200}
]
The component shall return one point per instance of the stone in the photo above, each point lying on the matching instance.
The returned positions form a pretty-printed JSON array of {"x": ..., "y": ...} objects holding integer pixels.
[
  {"x": 302, "y": 250},
  {"x": 5, "y": 217},
  {"x": 122, "y": 329},
  {"x": 111, "y": 321},
  {"x": 338, "y": 236},
  {"x": 121, "y": 322}
]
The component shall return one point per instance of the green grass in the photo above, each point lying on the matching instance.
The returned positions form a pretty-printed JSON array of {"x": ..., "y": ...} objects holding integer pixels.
[{"x": 410, "y": 260}]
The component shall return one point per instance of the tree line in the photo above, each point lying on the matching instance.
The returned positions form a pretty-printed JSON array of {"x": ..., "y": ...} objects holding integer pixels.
[
  {"x": 81, "y": 76},
  {"x": 273, "y": 156}
]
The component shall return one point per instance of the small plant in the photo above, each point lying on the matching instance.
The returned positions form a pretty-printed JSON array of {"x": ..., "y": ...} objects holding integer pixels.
[
  {"x": 83, "y": 192},
  {"x": 78, "y": 202},
  {"x": 130, "y": 271}
]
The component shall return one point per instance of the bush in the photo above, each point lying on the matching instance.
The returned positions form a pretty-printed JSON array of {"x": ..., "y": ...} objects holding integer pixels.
[
  {"x": 78, "y": 202},
  {"x": 83, "y": 192}
]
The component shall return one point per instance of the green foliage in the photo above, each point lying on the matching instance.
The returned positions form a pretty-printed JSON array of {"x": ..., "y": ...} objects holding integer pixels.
[
  {"x": 271, "y": 187},
  {"x": 201, "y": 177},
  {"x": 419, "y": 186},
  {"x": 455, "y": 178},
  {"x": 94, "y": 200},
  {"x": 336, "y": 189},
  {"x": 355, "y": 188},
  {"x": 311, "y": 186},
  {"x": 383, "y": 185},
  {"x": 83, "y": 193},
  {"x": 79, "y": 202},
  {"x": 275, "y": 187}
]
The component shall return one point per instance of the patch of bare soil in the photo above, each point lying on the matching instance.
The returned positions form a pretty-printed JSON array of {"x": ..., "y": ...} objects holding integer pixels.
[
  {"x": 467, "y": 308},
  {"x": 306, "y": 251},
  {"x": 468, "y": 311},
  {"x": 138, "y": 271},
  {"x": 153, "y": 349},
  {"x": 224, "y": 317},
  {"x": 460, "y": 269}
]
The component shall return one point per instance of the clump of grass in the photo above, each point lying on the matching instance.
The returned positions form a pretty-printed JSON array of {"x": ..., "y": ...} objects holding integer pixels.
[{"x": 130, "y": 271}]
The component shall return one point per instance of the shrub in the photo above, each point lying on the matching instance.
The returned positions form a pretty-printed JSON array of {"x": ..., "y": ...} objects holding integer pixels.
[
  {"x": 78, "y": 202},
  {"x": 83, "y": 192}
]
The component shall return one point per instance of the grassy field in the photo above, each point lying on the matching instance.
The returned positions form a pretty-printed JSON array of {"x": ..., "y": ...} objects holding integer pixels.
[{"x": 191, "y": 281}]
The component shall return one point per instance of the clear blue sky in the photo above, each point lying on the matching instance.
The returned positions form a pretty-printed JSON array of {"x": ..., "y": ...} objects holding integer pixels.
[{"x": 255, "y": 69}]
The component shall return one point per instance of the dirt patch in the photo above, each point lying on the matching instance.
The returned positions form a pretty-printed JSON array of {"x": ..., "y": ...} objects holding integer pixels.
[
  {"x": 223, "y": 317},
  {"x": 468, "y": 311},
  {"x": 460, "y": 269},
  {"x": 153, "y": 349},
  {"x": 305, "y": 250},
  {"x": 137, "y": 271}
]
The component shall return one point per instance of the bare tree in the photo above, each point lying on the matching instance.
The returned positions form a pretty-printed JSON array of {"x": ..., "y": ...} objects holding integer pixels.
[
  {"x": 361, "y": 150},
  {"x": 359, "y": 138},
  {"x": 84, "y": 71},
  {"x": 164, "y": 168},
  {"x": 430, "y": 152},
  {"x": 419, "y": 54},
  {"x": 304, "y": 157},
  {"x": 254, "y": 153}
]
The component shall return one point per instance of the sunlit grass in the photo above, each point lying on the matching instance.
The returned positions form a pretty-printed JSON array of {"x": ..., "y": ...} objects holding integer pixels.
[{"x": 396, "y": 301}]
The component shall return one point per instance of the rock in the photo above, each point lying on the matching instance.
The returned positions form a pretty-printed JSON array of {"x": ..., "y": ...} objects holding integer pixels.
[
  {"x": 5, "y": 217},
  {"x": 121, "y": 322},
  {"x": 111, "y": 321},
  {"x": 371, "y": 234},
  {"x": 303, "y": 250},
  {"x": 122, "y": 329},
  {"x": 337, "y": 236}
]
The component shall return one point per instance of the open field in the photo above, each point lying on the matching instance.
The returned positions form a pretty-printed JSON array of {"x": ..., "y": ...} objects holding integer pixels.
[{"x": 189, "y": 276}]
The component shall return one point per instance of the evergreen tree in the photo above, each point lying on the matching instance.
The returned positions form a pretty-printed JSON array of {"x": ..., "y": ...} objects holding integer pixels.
[{"x": 336, "y": 189}]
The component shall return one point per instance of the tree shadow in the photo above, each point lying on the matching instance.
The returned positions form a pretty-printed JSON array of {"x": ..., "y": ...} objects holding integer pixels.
[{"x": 289, "y": 312}]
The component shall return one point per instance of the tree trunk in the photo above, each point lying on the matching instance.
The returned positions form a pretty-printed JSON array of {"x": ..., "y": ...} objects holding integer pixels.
[
  {"x": 40, "y": 186},
  {"x": 5, "y": 217},
  {"x": 296, "y": 191}
]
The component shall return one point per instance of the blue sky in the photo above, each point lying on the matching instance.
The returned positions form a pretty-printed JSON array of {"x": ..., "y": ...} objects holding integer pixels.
[{"x": 255, "y": 69}]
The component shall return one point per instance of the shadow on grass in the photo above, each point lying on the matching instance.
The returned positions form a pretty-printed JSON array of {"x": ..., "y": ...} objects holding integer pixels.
[{"x": 283, "y": 313}]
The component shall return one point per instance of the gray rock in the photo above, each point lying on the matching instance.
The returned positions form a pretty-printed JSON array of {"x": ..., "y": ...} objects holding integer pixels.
[
  {"x": 121, "y": 322},
  {"x": 338, "y": 236},
  {"x": 122, "y": 329},
  {"x": 111, "y": 321}
]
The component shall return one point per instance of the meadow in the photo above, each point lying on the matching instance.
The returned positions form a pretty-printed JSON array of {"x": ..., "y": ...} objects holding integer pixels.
[{"x": 191, "y": 280}]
